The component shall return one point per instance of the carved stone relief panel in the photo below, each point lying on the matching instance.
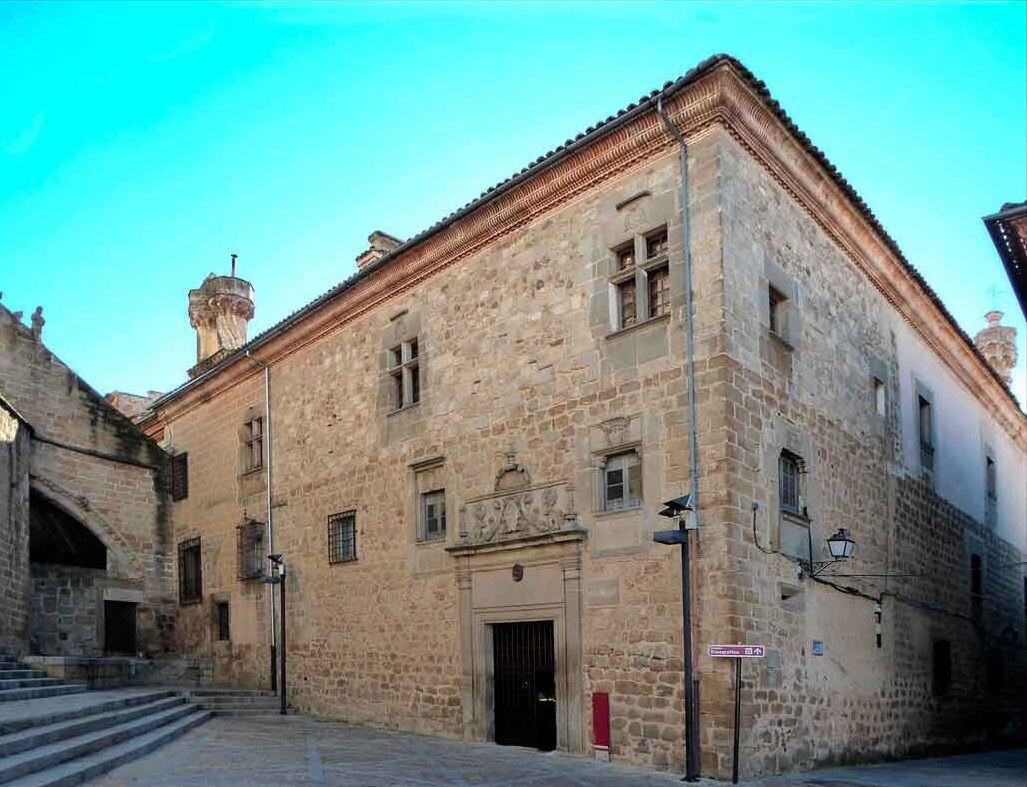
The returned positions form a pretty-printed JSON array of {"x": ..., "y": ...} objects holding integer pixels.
[{"x": 507, "y": 515}]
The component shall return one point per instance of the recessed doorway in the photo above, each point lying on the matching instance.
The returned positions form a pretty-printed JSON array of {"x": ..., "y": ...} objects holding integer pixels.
[
  {"x": 525, "y": 684},
  {"x": 119, "y": 628}
]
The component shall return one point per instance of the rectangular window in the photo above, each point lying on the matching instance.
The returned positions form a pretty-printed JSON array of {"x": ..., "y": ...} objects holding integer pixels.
[
  {"x": 925, "y": 421},
  {"x": 222, "y": 612},
  {"x": 990, "y": 492},
  {"x": 342, "y": 537},
  {"x": 942, "y": 667},
  {"x": 656, "y": 244},
  {"x": 404, "y": 375},
  {"x": 249, "y": 539},
  {"x": 880, "y": 400},
  {"x": 778, "y": 314},
  {"x": 627, "y": 310},
  {"x": 790, "y": 471},
  {"x": 622, "y": 482},
  {"x": 180, "y": 476},
  {"x": 625, "y": 257},
  {"x": 433, "y": 515},
  {"x": 659, "y": 291},
  {"x": 190, "y": 572},
  {"x": 253, "y": 445}
]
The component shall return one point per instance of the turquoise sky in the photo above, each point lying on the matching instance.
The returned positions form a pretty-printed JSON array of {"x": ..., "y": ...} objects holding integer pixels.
[{"x": 141, "y": 144}]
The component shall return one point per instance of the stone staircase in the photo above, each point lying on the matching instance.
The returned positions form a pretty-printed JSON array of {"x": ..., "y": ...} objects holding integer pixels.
[
  {"x": 52, "y": 733},
  {"x": 236, "y": 702}
]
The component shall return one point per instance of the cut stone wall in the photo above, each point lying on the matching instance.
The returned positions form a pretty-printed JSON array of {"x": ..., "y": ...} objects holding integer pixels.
[
  {"x": 64, "y": 610},
  {"x": 89, "y": 460},
  {"x": 14, "y": 534}
]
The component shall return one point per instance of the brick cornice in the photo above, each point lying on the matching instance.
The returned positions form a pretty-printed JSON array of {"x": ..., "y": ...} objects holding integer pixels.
[{"x": 722, "y": 97}]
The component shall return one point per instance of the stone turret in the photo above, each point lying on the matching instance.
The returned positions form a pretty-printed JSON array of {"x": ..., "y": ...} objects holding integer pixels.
[
  {"x": 219, "y": 310},
  {"x": 997, "y": 344}
]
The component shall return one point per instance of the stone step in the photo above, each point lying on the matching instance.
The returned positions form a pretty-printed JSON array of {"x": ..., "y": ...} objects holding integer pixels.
[
  {"x": 26, "y": 683},
  {"x": 236, "y": 698},
  {"x": 43, "y": 757},
  {"x": 63, "y": 730},
  {"x": 9, "y": 665},
  {"x": 80, "y": 709},
  {"x": 9, "y": 674},
  {"x": 93, "y": 765},
  {"x": 247, "y": 711},
  {"x": 8, "y": 695},
  {"x": 231, "y": 693}
]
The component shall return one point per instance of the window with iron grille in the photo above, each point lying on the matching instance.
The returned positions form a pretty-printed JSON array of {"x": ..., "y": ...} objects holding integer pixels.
[
  {"x": 404, "y": 375},
  {"x": 249, "y": 539},
  {"x": 190, "y": 572},
  {"x": 790, "y": 491},
  {"x": 433, "y": 515},
  {"x": 180, "y": 476},
  {"x": 925, "y": 422},
  {"x": 627, "y": 308},
  {"x": 342, "y": 537},
  {"x": 253, "y": 445},
  {"x": 222, "y": 613},
  {"x": 621, "y": 481}
]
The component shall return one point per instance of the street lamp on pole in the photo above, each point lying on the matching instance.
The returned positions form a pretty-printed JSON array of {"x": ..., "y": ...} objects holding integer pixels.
[
  {"x": 278, "y": 578},
  {"x": 683, "y": 509}
]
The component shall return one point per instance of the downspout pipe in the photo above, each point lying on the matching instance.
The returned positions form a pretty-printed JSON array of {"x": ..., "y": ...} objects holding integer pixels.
[
  {"x": 270, "y": 525},
  {"x": 692, "y": 759}
]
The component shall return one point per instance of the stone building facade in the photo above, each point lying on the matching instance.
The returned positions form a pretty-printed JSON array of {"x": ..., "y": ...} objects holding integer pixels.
[
  {"x": 85, "y": 525},
  {"x": 467, "y": 444}
]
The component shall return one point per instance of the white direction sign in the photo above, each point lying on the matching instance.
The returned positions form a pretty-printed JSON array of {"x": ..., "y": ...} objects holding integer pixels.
[{"x": 737, "y": 651}]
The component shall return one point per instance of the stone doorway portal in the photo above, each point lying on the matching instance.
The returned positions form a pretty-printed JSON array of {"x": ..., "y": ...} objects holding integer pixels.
[{"x": 524, "y": 674}]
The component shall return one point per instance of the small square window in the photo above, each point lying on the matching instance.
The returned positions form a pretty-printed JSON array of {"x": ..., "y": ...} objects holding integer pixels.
[
  {"x": 659, "y": 291},
  {"x": 180, "y": 476},
  {"x": 656, "y": 244},
  {"x": 433, "y": 515},
  {"x": 222, "y": 612},
  {"x": 342, "y": 537},
  {"x": 625, "y": 257},
  {"x": 622, "y": 482}
]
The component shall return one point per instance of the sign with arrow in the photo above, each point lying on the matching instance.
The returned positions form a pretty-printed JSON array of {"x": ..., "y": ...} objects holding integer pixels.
[{"x": 736, "y": 651}]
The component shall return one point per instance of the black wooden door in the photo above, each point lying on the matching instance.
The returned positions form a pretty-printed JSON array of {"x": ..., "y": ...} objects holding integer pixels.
[
  {"x": 119, "y": 627},
  {"x": 525, "y": 684}
]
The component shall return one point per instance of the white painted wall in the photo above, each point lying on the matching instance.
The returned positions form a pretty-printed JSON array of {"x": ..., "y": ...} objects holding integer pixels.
[{"x": 962, "y": 427}]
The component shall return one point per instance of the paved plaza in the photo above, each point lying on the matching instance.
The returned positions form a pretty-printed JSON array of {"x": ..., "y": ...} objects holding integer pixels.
[{"x": 300, "y": 750}]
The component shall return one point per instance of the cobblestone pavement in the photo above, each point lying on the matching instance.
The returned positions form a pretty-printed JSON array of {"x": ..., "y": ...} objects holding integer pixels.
[{"x": 298, "y": 750}]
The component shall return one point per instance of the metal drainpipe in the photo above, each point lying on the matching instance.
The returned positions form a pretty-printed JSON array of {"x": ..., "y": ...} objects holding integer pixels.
[
  {"x": 692, "y": 759},
  {"x": 270, "y": 528}
]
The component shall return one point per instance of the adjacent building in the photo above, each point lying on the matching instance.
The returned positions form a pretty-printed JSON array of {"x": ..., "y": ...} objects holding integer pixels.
[{"x": 462, "y": 451}]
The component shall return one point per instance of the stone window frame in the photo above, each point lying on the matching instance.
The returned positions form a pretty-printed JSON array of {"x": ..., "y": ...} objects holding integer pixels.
[
  {"x": 180, "y": 476},
  {"x": 796, "y": 449},
  {"x": 190, "y": 589},
  {"x": 785, "y": 459},
  {"x": 337, "y": 537},
  {"x": 879, "y": 398},
  {"x": 638, "y": 274},
  {"x": 990, "y": 487},
  {"x": 422, "y": 515},
  {"x": 427, "y": 477},
  {"x": 403, "y": 370},
  {"x": 927, "y": 450},
  {"x": 223, "y": 621},
  {"x": 601, "y": 458},
  {"x": 977, "y": 577},
  {"x": 251, "y": 442},
  {"x": 779, "y": 305}
]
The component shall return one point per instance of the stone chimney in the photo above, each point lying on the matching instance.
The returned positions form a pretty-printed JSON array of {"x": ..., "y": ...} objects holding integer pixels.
[
  {"x": 219, "y": 310},
  {"x": 997, "y": 344},
  {"x": 381, "y": 243}
]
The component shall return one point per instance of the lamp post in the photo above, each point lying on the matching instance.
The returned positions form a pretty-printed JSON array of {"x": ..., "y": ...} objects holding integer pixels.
[
  {"x": 840, "y": 547},
  {"x": 278, "y": 578},
  {"x": 683, "y": 510}
]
